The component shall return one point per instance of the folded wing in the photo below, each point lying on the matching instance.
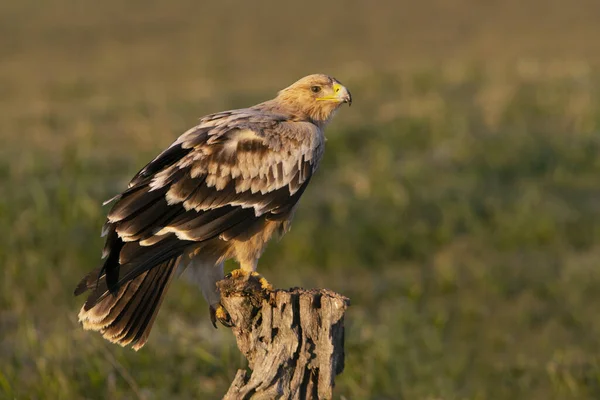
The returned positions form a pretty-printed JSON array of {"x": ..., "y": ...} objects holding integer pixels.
[{"x": 215, "y": 181}]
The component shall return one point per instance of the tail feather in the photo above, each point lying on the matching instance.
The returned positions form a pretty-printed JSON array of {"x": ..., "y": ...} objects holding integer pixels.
[
  {"x": 126, "y": 315},
  {"x": 133, "y": 320},
  {"x": 134, "y": 261}
]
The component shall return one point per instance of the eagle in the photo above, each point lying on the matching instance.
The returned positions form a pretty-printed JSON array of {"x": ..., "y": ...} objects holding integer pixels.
[{"x": 219, "y": 192}]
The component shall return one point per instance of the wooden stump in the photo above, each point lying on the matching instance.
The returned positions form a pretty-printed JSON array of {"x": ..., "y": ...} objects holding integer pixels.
[{"x": 293, "y": 339}]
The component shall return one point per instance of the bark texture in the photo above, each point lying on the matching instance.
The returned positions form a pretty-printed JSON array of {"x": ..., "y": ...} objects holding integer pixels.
[{"x": 293, "y": 339}]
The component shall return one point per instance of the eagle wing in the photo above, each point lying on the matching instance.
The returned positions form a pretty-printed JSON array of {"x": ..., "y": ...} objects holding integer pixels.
[{"x": 215, "y": 180}]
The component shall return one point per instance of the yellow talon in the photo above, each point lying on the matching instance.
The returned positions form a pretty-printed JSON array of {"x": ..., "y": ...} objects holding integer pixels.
[
  {"x": 237, "y": 273},
  {"x": 247, "y": 275},
  {"x": 265, "y": 284},
  {"x": 220, "y": 313}
]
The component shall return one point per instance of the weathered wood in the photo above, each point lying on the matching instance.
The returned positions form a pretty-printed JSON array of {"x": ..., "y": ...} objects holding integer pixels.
[{"x": 293, "y": 339}]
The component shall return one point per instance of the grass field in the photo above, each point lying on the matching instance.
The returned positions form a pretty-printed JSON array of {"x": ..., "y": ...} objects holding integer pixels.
[{"x": 457, "y": 204}]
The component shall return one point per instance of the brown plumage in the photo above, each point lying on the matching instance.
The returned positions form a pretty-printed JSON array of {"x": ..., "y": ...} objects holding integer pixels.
[{"x": 220, "y": 191}]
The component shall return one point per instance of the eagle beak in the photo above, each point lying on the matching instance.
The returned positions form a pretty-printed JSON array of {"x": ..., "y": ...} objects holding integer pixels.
[{"x": 342, "y": 94}]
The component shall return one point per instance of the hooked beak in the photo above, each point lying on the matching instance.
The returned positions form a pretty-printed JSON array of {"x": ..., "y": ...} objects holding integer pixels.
[{"x": 340, "y": 94}]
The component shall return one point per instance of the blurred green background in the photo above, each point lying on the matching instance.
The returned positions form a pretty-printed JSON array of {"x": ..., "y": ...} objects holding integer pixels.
[{"x": 457, "y": 204}]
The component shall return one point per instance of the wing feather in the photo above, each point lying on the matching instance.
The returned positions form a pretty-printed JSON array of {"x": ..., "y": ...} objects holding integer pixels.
[{"x": 218, "y": 179}]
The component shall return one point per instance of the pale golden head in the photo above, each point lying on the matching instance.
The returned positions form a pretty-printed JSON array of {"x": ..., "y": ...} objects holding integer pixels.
[{"x": 316, "y": 97}]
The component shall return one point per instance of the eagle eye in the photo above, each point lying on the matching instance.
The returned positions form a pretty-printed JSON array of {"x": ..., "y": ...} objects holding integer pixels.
[{"x": 316, "y": 89}]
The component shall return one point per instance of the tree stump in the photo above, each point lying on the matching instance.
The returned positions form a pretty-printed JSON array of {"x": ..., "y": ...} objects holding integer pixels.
[{"x": 293, "y": 339}]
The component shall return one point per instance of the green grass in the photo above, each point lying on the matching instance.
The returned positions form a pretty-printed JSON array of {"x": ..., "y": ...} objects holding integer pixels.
[{"x": 457, "y": 203}]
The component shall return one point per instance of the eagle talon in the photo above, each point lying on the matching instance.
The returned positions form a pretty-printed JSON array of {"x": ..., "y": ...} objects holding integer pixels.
[
  {"x": 242, "y": 273},
  {"x": 265, "y": 284},
  {"x": 218, "y": 313},
  {"x": 237, "y": 273}
]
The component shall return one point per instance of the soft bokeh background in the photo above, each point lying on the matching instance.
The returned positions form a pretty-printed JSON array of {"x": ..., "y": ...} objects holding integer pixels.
[{"x": 458, "y": 204}]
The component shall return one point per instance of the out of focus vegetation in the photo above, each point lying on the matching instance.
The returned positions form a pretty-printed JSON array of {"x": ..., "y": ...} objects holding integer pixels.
[{"x": 458, "y": 204}]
